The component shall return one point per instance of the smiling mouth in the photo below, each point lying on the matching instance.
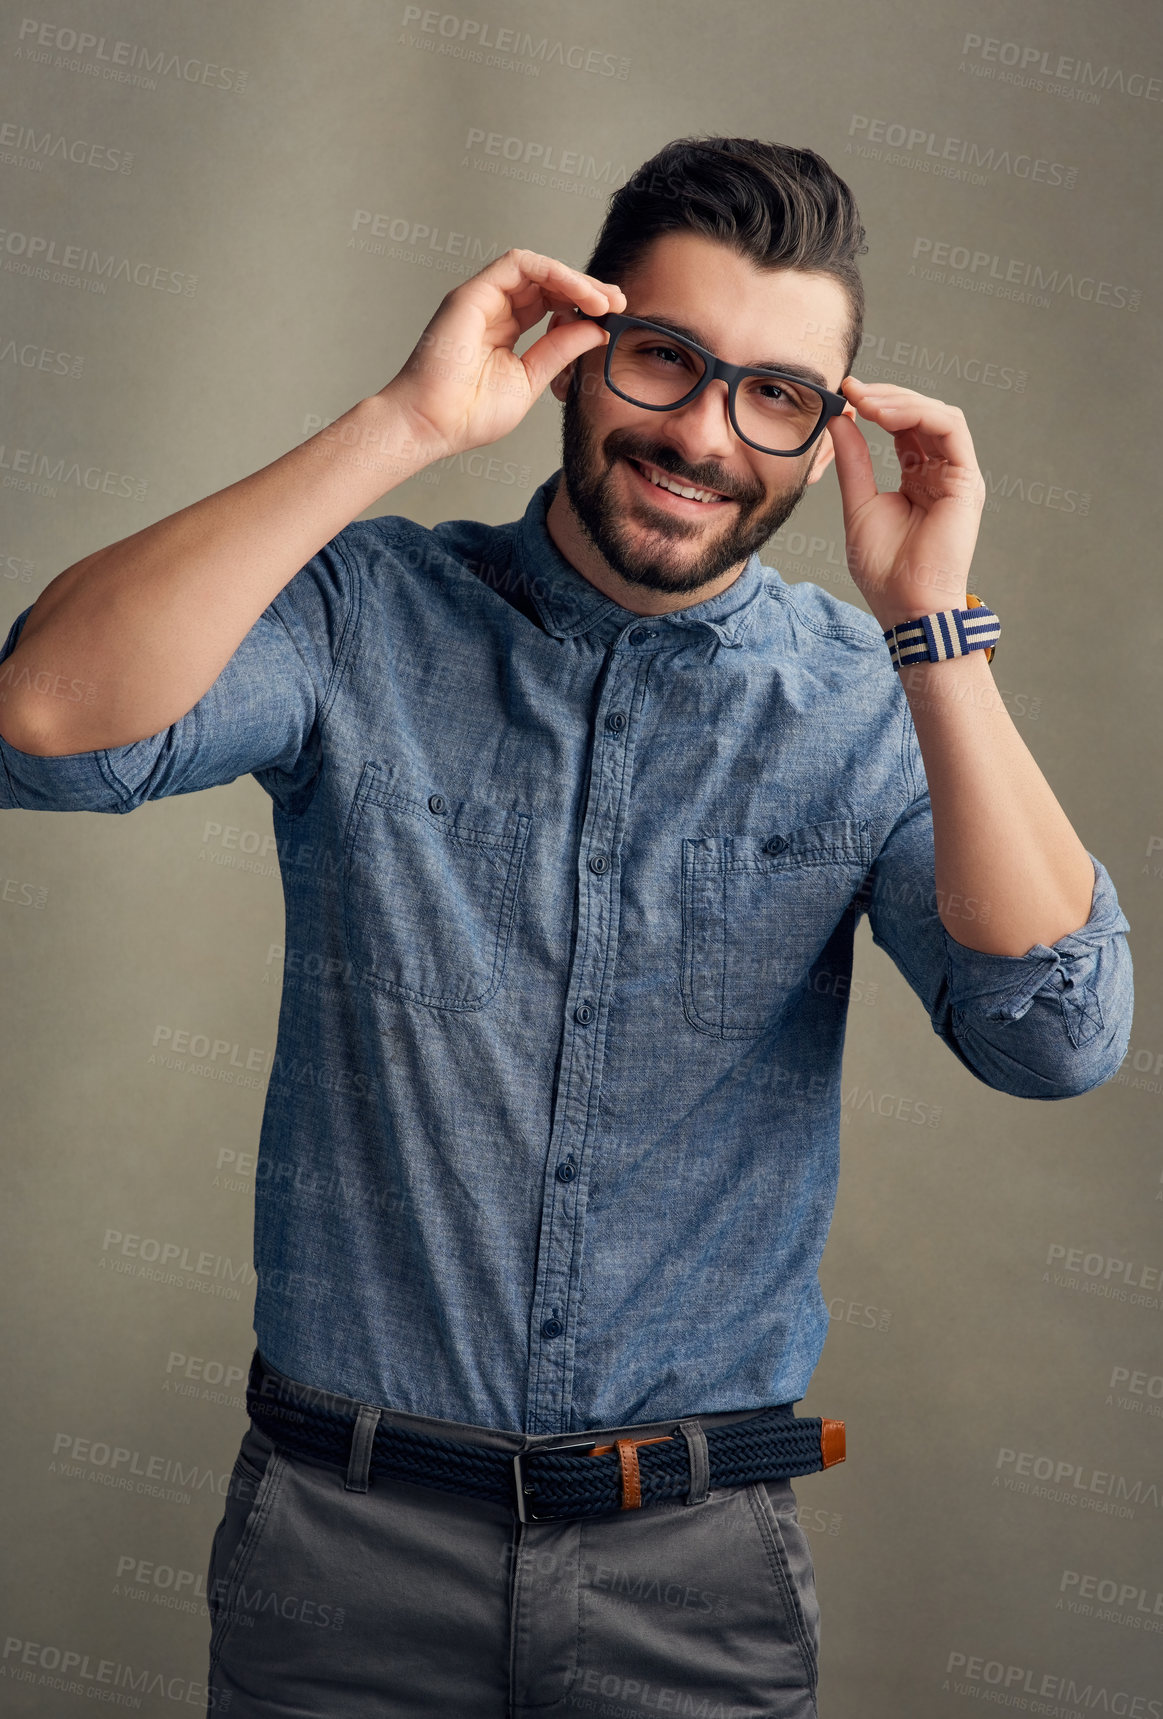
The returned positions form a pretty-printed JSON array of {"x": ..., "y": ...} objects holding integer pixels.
[{"x": 693, "y": 495}]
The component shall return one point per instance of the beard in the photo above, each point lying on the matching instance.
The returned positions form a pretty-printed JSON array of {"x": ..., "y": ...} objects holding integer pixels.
[{"x": 658, "y": 558}]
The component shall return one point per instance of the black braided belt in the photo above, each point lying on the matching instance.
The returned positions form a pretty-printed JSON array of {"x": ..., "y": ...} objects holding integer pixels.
[{"x": 549, "y": 1482}]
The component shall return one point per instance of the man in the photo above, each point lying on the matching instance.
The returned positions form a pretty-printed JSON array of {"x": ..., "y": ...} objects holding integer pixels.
[{"x": 591, "y": 804}]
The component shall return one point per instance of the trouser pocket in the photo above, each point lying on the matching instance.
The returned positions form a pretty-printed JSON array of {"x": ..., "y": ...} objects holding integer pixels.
[
  {"x": 792, "y": 1568},
  {"x": 344, "y": 1605},
  {"x": 250, "y": 1500}
]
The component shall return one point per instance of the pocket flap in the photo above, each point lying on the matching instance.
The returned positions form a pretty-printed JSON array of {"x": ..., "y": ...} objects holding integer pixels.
[{"x": 836, "y": 841}]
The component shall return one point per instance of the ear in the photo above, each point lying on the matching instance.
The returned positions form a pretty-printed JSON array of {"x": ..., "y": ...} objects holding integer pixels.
[{"x": 825, "y": 449}]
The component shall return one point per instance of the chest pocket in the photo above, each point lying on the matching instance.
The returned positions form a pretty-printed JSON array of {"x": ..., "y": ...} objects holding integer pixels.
[
  {"x": 756, "y": 912},
  {"x": 429, "y": 886}
]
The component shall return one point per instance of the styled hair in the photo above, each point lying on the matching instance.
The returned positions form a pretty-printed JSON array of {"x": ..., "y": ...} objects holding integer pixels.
[{"x": 780, "y": 207}]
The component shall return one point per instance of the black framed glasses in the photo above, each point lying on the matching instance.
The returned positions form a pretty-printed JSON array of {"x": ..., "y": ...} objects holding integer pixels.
[{"x": 773, "y": 411}]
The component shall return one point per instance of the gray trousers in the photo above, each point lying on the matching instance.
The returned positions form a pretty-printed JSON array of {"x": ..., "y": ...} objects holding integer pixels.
[{"x": 328, "y": 1601}]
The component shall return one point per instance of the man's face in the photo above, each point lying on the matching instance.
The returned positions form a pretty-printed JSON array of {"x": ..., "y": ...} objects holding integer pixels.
[{"x": 650, "y": 538}]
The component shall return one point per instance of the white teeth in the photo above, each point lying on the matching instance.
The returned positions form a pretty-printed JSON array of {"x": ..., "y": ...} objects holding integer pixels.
[{"x": 664, "y": 482}]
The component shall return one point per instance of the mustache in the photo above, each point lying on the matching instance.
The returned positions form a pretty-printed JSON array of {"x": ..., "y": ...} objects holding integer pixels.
[{"x": 665, "y": 462}]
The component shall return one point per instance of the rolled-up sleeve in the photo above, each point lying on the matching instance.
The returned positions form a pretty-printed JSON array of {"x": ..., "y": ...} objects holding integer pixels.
[
  {"x": 261, "y": 716},
  {"x": 1052, "y": 1023}
]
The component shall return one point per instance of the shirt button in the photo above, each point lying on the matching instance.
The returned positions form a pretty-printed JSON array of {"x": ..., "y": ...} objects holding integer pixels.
[
  {"x": 640, "y": 635},
  {"x": 551, "y": 1327},
  {"x": 600, "y": 863},
  {"x": 584, "y": 1013},
  {"x": 566, "y": 1172},
  {"x": 776, "y": 845},
  {"x": 437, "y": 803},
  {"x": 616, "y": 721}
]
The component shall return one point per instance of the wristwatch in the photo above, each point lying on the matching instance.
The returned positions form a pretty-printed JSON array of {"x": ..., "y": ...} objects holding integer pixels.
[{"x": 949, "y": 633}]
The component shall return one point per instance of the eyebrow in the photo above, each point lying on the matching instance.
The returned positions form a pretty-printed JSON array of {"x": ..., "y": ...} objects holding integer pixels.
[{"x": 789, "y": 366}]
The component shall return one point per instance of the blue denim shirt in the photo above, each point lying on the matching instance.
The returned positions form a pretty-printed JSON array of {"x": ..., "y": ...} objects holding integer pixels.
[{"x": 551, "y": 1135}]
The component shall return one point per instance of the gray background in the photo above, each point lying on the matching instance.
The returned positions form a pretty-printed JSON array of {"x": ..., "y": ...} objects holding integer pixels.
[{"x": 248, "y": 159}]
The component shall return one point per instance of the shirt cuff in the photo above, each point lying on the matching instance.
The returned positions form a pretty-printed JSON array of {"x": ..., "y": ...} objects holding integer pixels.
[
  {"x": 1002, "y": 987},
  {"x": 64, "y": 782}
]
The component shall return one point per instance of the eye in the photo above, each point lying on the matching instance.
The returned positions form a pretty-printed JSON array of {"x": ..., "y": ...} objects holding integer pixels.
[
  {"x": 668, "y": 352},
  {"x": 783, "y": 396}
]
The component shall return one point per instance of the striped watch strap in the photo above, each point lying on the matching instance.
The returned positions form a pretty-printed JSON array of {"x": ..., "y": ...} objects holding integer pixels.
[{"x": 950, "y": 633}]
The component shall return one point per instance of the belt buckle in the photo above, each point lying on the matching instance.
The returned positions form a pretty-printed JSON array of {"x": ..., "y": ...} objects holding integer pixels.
[
  {"x": 627, "y": 1451},
  {"x": 525, "y": 1487}
]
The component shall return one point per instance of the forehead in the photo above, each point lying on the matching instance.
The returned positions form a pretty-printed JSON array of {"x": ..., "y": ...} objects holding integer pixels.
[{"x": 745, "y": 314}]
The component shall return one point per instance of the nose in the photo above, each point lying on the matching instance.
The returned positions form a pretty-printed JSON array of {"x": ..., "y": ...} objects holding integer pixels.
[{"x": 702, "y": 431}]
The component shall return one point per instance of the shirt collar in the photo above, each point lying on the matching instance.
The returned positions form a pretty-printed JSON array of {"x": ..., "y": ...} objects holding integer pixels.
[{"x": 568, "y": 604}]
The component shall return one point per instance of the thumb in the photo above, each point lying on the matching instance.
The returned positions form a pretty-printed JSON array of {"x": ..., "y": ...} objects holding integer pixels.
[
  {"x": 558, "y": 347},
  {"x": 853, "y": 465}
]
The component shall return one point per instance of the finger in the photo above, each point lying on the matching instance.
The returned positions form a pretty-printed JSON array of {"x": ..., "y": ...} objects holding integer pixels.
[
  {"x": 853, "y": 466},
  {"x": 557, "y": 348},
  {"x": 941, "y": 428},
  {"x": 937, "y": 435},
  {"x": 541, "y": 291},
  {"x": 523, "y": 275}
]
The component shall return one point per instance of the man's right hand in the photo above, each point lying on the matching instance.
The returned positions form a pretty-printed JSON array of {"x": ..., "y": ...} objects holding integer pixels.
[
  {"x": 463, "y": 385},
  {"x": 148, "y": 623}
]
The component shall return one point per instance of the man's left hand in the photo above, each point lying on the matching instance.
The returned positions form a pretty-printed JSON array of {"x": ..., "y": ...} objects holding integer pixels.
[{"x": 909, "y": 549}]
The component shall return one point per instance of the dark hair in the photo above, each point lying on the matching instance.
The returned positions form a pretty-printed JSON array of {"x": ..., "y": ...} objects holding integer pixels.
[{"x": 782, "y": 208}]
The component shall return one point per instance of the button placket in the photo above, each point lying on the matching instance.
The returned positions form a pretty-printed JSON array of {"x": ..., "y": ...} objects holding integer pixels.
[{"x": 594, "y": 952}]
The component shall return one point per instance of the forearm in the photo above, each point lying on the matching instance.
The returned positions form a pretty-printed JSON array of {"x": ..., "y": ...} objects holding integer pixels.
[
  {"x": 1000, "y": 838},
  {"x": 147, "y": 624}
]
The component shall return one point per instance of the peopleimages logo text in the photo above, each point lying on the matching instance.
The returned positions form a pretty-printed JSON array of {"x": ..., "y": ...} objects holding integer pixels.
[
  {"x": 118, "y": 56},
  {"x": 1034, "y": 62},
  {"x": 1012, "y": 271},
  {"x": 474, "y": 33},
  {"x": 43, "y": 253},
  {"x": 917, "y": 139},
  {"x": 967, "y": 1673}
]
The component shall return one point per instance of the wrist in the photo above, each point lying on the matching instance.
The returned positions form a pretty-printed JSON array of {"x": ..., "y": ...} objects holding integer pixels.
[
  {"x": 403, "y": 432},
  {"x": 892, "y": 615},
  {"x": 945, "y": 634}
]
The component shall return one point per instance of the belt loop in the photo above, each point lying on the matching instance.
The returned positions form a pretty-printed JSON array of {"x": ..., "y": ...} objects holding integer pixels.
[
  {"x": 696, "y": 1440},
  {"x": 362, "y": 1439}
]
